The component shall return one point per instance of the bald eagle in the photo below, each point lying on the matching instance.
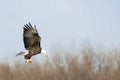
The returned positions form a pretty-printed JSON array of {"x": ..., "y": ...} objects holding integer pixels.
[{"x": 32, "y": 43}]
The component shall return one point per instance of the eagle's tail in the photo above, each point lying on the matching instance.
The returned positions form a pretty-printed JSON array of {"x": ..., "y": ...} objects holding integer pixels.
[{"x": 22, "y": 53}]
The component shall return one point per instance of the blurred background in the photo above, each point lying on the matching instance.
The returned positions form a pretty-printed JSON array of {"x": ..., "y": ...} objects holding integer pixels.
[{"x": 80, "y": 36}]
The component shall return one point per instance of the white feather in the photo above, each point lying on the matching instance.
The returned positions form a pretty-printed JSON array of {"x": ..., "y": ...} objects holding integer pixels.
[
  {"x": 23, "y": 53},
  {"x": 44, "y": 52},
  {"x": 26, "y": 52}
]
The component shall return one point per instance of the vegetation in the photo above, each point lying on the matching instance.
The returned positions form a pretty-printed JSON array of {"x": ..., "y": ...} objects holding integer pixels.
[{"x": 67, "y": 64}]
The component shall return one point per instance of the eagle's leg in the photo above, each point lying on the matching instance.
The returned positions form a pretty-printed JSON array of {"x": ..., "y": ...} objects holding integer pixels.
[{"x": 28, "y": 60}]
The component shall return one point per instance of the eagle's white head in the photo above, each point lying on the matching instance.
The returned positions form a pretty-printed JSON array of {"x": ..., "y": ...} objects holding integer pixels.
[{"x": 44, "y": 52}]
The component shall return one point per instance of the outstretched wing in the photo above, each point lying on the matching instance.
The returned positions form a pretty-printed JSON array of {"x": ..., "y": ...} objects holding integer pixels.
[{"x": 31, "y": 37}]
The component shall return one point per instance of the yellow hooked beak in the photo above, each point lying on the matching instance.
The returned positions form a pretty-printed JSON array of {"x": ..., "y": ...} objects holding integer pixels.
[{"x": 45, "y": 54}]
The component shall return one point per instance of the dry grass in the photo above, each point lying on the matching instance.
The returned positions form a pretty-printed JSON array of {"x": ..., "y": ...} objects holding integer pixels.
[{"x": 94, "y": 65}]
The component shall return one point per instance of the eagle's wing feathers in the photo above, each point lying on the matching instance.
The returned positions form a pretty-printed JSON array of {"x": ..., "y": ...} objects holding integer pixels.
[{"x": 31, "y": 37}]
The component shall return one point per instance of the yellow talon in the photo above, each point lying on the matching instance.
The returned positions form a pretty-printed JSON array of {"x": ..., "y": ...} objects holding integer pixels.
[{"x": 28, "y": 60}]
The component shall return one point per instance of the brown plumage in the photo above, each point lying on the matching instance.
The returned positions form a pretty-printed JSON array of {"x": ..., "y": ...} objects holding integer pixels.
[{"x": 31, "y": 41}]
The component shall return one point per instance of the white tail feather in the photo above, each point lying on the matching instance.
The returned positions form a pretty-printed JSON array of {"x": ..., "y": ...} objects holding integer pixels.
[{"x": 23, "y": 53}]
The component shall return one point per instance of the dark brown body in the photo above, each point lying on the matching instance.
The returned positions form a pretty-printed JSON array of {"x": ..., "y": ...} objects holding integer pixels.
[{"x": 32, "y": 52}]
